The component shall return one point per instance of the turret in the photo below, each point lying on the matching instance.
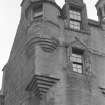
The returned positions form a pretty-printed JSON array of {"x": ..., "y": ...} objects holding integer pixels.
[
  {"x": 100, "y": 6},
  {"x": 76, "y": 15}
]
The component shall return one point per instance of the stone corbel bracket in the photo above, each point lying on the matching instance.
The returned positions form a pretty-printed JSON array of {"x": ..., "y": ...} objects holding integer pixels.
[{"x": 40, "y": 84}]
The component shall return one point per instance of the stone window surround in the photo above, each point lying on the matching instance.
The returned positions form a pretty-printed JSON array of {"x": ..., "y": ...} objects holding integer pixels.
[{"x": 85, "y": 69}]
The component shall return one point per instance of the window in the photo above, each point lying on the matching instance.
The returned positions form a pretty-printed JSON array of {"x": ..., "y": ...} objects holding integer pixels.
[
  {"x": 37, "y": 11},
  {"x": 77, "y": 60},
  {"x": 75, "y": 18}
]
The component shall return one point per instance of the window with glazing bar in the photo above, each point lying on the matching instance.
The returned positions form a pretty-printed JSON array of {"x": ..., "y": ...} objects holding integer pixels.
[
  {"x": 75, "y": 18},
  {"x": 77, "y": 60}
]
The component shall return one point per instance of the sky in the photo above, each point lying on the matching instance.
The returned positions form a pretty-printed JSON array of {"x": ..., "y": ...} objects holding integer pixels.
[{"x": 9, "y": 19}]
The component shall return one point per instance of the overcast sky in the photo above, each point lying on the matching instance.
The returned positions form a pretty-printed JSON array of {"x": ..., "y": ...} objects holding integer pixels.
[{"x": 9, "y": 19}]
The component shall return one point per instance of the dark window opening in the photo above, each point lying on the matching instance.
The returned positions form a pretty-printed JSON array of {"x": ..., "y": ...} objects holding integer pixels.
[{"x": 37, "y": 11}]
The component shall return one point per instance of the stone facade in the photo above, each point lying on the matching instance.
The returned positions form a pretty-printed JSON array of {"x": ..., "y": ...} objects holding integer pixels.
[
  {"x": 40, "y": 70},
  {"x": 1, "y": 99}
]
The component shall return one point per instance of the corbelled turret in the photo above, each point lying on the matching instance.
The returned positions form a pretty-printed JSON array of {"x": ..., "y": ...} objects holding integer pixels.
[
  {"x": 76, "y": 15},
  {"x": 100, "y": 6}
]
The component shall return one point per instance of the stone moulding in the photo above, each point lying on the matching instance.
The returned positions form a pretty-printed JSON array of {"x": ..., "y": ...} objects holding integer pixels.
[
  {"x": 40, "y": 84},
  {"x": 48, "y": 45}
]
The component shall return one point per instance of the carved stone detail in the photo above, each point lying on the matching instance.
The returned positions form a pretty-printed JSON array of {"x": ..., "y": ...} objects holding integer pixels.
[{"x": 48, "y": 45}]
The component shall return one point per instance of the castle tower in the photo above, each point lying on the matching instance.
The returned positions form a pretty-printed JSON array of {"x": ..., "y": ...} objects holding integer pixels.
[
  {"x": 36, "y": 62},
  {"x": 76, "y": 6},
  {"x": 48, "y": 64}
]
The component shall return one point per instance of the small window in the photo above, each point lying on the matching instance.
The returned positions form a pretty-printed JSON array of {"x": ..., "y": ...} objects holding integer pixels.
[
  {"x": 37, "y": 11},
  {"x": 104, "y": 13},
  {"x": 75, "y": 18},
  {"x": 77, "y": 60}
]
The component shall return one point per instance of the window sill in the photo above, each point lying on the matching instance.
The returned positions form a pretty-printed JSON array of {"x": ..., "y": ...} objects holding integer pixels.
[
  {"x": 35, "y": 19},
  {"x": 80, "y": 31},
  {"x": 76, "y": 75}
]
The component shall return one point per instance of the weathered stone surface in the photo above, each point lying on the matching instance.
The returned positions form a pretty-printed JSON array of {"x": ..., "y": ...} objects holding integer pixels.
[{"x": 51, "y": 57}]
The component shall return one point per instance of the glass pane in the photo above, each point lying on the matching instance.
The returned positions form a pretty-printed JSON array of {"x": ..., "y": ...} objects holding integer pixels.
[
  {"x": 73, "y": 59},
  {"x": 76, "y": 58},
  {"x": 75, "y": 25},
  {"x": 79, "y": 60},
  {"x": 76, "y": 15},
  {"x": 74, "y": 65},
  {"x": 77, "y": 68},
  {"x": 71, "y": 16}
]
